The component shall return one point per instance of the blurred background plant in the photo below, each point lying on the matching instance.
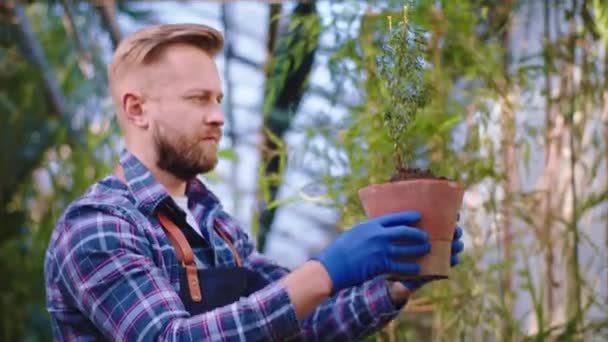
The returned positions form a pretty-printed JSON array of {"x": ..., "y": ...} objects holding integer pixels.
[{"x": 520, "y": 116}]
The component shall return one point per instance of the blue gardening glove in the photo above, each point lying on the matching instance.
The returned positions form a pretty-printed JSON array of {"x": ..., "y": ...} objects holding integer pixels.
[
  {"x": 457, "y": 247},
  {"x": 374, "y": 247}
]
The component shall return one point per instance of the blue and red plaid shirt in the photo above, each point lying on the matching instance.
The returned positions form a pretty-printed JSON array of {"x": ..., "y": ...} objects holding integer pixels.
[{"x": 112, "y": 274}]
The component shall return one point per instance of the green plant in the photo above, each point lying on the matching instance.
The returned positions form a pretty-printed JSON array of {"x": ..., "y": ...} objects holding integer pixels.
[
  {"x": 401, "y": 69},
  {"x": 458, "y": 135}
]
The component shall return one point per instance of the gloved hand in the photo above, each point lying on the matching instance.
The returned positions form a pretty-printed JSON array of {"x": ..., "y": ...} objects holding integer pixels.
[
  {"x": 374, "y": 247},
  {"x": 457, "y": 247}
]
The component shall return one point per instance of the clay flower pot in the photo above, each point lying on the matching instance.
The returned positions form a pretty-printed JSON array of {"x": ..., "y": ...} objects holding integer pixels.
[{"x": 438, "y": 200}]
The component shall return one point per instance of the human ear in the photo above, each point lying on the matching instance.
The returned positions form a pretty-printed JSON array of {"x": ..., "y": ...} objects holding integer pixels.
[{"x": 132, "y": 105}]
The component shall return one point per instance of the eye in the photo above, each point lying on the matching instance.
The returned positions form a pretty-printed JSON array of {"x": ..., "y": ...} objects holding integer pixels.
[
  {"x": 199, "y": 98},
  {"x": 204, "y": 98}
]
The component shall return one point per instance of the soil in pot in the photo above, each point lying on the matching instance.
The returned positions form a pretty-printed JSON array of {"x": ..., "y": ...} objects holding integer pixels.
[{"x": 402, "y": 174}]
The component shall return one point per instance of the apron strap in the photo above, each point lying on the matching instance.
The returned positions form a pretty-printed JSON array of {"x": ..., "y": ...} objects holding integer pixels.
[
  {"x": 229, "y": 243},
  {"x": 184, "y": 255},
  {"x": 182, "y": 246}
]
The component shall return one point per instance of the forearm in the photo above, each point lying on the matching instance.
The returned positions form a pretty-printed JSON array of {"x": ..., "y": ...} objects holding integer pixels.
[
  {"x": 266, "y": 315},
  {"x": 305, "y": 289},
  {"x": 157, "y": 314},
  {"x": 352, "y": 314},
  {"x": 308, "y": 287},
  {"x": 359, "y": 310}
]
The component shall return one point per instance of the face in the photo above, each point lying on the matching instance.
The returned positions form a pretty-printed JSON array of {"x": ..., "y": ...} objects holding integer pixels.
[{"x": 182, "y": 111}]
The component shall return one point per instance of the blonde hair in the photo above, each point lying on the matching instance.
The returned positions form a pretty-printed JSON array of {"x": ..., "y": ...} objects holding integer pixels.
[{"x": 147, "y": 45}]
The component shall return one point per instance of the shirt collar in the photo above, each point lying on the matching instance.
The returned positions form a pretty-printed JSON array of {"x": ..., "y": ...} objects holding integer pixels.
[{"x": 149, "y": 193}]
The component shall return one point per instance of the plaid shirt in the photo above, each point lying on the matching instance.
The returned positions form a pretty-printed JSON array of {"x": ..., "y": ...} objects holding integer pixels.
[{"x": 111, "y": 273}]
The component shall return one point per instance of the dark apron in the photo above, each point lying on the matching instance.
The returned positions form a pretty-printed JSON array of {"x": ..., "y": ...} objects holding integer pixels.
[
  {"x": 203, "y": 290},
  {"x": 218, "y": 286}
]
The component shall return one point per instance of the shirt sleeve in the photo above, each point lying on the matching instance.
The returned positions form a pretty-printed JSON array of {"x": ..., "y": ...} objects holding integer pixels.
[
  {"x": 349, "y": 315},
  {"x": 104, "y": 265}
]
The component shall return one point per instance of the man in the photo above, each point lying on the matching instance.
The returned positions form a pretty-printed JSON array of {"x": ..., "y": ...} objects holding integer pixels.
[{"x": 149, "y": 254}]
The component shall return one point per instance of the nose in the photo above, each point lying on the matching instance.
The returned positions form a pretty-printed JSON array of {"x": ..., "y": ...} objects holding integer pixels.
[{"x": 215, "y": 116}]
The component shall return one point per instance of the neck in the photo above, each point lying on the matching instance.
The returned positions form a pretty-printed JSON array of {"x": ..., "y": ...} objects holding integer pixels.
[{"x": 173, "y": 185}]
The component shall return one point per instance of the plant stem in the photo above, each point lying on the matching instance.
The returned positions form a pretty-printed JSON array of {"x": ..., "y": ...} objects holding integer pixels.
[
  {"x": 509, "y": 160},
  {"x": 605, "y": 122},
  {"x": 399, "y": 160},
  {"x": 574, "y": 283},
  {"x": 605, "y": 134},
  {"x": 551, "y": 140}
]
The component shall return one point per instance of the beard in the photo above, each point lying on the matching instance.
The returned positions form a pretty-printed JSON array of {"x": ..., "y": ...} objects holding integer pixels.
[{"x": 185, "y": 158}]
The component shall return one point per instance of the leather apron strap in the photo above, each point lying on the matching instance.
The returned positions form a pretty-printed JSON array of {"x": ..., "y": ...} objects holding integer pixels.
[
  {"x": 182, "y": 246},
  {"x": 184, "y": 255}
]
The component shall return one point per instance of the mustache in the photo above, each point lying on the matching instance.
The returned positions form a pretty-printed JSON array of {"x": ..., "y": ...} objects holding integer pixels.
[{"x": 215, "y": 133}]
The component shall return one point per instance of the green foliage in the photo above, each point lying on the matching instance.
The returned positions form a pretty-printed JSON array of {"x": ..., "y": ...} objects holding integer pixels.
[
  {"x": 43, "y": 169},
  {"x": 457, "y": 135},
  {"x": 600, "y": 9},
  {"x": 292, "y": 51},
  {"x": 288, "y": 73}
]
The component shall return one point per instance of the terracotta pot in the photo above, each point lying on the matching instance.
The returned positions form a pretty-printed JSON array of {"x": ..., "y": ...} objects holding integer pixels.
[{"x": 438, "y": 201}]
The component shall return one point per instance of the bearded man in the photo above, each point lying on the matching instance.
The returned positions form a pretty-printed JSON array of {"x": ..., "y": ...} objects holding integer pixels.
[{"x": 148, "y": 253}]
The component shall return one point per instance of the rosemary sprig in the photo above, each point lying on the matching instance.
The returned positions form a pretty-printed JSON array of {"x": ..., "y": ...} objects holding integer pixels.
[{"x": 401, "y": 70}]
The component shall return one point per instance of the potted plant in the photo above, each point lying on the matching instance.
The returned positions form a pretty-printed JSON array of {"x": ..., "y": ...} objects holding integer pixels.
[{"x": 401, "y": 71}]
